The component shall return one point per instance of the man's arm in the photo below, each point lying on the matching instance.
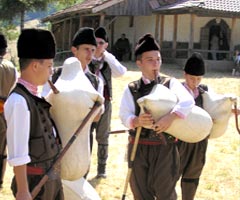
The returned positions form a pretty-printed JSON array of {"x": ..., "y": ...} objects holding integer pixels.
[
  {"x": 22, "y": 183},
  {"x": 117, "y": 68},
  {"x": 180, "y": 110},
  {"x": 18, "y": 121}
]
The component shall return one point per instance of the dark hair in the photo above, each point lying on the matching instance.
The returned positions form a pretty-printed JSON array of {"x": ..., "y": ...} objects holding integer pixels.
[
  {"x": 3, "y": 51},
  {"x": 24, "y": 62}
]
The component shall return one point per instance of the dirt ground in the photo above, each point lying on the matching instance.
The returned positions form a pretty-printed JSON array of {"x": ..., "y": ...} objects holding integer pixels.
[{"x": 220, "y": 179}]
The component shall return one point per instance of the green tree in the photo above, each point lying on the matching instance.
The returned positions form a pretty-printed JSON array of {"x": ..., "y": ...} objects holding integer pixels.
[{"x": 16, "y": 9}]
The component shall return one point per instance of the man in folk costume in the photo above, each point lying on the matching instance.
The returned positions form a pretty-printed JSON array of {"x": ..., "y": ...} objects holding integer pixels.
[
  {"x": 193, "y": 155},
  {"x": 29, "y": 121},
  {"x": 83, "y": 48},
  {"x": 105, "y": 66},
  {"x": 8, "y": 76},
  {"x": 156, "y": 165}
]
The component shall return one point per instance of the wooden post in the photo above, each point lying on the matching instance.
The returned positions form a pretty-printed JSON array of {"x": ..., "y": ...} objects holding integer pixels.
[
  {"x": 70, "y": 32},
  {"x": 63, "y": 35},
  {"x": 174, "y": 45},
  {"x": 102, "y": 18},
  {"x": 233, "y": 28},
  {"x": 157, "y": 27},
  {"x": 80, "y": 21},
  {"x": 191, "y": 36},
  {"x": 112, "y": 34},
  {"x": 161, "y": 30},
  {"x": 134, "y": 35}
]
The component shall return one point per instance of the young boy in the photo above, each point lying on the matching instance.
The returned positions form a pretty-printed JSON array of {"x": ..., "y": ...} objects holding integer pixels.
[
  {"x": 193, "y": 155},
  {"x": 32, "y": 139},
  {"x": 155, "y": 167},
  {"x": 105, "y": 66}
]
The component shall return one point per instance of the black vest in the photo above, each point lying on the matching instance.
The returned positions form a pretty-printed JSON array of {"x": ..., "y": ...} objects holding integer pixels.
[
  {"x": 93, "y": 79},
  {"x": 199, "y": 100},
  {"x": 107, "y": 75},
  {"x": 138, "y": 89},
  {"x": 43, "y": 146}
]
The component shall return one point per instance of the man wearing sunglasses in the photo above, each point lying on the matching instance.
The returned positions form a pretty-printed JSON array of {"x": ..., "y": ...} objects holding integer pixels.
[{"x": 105, "y": 66}]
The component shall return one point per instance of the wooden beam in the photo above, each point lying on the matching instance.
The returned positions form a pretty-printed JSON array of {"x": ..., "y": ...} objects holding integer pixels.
[
  {"x": 233, "y": 28},
  {"x": 80, "y": 21},
  {"x": 191, "y": 36},
  {"x": 106, "y": 5},
  {"x": 157, "y": 27},
  {"x": 161, "y": 30},
  {"x": 174, "y": 45},
  {"x": 63, "y": 35},
  {"x": 70, "y": 32},
  {"x": 134, "y": 36},
  {"x": 102, "y": 18},
  {"x": 112, "y": 35}
]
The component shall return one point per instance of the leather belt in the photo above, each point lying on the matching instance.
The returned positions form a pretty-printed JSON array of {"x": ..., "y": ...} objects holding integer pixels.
[
  {"x": 35, "y": 170},
  {"x": 1, "y": 106},
  {"x": 146, "y": 141},
  {"x": 143, "y": 141}
]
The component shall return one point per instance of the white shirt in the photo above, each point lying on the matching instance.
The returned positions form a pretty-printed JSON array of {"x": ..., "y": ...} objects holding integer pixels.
[
  {"x": 17, "y": 116},
  {"x": 116, "y": 67},
  {"x": 182, "y": 108}
]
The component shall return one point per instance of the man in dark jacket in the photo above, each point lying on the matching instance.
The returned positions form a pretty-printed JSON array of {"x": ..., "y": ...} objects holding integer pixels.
[{"x": 32, "y": 139}]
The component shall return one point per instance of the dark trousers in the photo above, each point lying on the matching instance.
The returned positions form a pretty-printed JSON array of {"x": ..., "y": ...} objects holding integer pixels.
[
  {"x": 192, "y": 161},
  {"x": 103, "y": 126},
  {"x": 155, "y": 171}
]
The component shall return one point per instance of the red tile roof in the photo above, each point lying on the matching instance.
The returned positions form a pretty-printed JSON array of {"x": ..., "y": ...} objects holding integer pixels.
[
  {"x": 214, "y": 5},
  {"x": 223, "y": 6}
]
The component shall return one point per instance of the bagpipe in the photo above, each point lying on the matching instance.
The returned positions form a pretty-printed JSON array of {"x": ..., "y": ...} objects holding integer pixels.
[{"x": 75, "y": 104}]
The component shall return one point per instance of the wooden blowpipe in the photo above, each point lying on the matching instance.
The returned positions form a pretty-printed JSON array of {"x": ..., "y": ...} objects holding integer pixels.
[{"x": 54, "y": 89}]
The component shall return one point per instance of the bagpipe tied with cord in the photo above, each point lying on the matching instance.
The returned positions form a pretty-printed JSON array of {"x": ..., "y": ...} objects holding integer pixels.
[
  {"x": 219, "y": 108},
  {"x": 194, "y": 128},
  {"x": 69, "y": 107}
]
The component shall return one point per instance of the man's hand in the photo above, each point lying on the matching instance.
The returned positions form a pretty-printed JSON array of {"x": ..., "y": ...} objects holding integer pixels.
[
  {"x": 164, "y": 122},
  {"x": 23, "y": 196},
  {"x": 144, "y": 119}
]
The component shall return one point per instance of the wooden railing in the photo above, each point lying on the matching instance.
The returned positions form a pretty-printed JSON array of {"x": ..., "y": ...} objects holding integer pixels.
[{"x": 207, "y": 54}]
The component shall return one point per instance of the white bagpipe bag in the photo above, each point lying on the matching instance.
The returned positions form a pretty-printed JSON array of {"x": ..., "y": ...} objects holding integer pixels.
[
  {"x": 69, "y": 107},
  {"x": 79, "y": 190},
  {"x": 194, "y": 128},
  {"x": 219, "y": 108}
]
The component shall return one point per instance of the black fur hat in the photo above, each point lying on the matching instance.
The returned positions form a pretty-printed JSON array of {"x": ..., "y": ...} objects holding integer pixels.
[
  {"x": 146, "y": 43},
  {"x": 3, "y": 41},
  {"x": 101, "y": 33},
  {"x": 36, "y": 44},
  {"x": 195, "y": 65},
  {"x": 84, "y": 35}
]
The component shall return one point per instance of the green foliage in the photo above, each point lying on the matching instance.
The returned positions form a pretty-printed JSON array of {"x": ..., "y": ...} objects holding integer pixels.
[
  {"x": 62, "y": 4},
  {"x": 9, "y": 9},
  {"x": 9, "y": 30},
  {"x": 13, "y": 9}
]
